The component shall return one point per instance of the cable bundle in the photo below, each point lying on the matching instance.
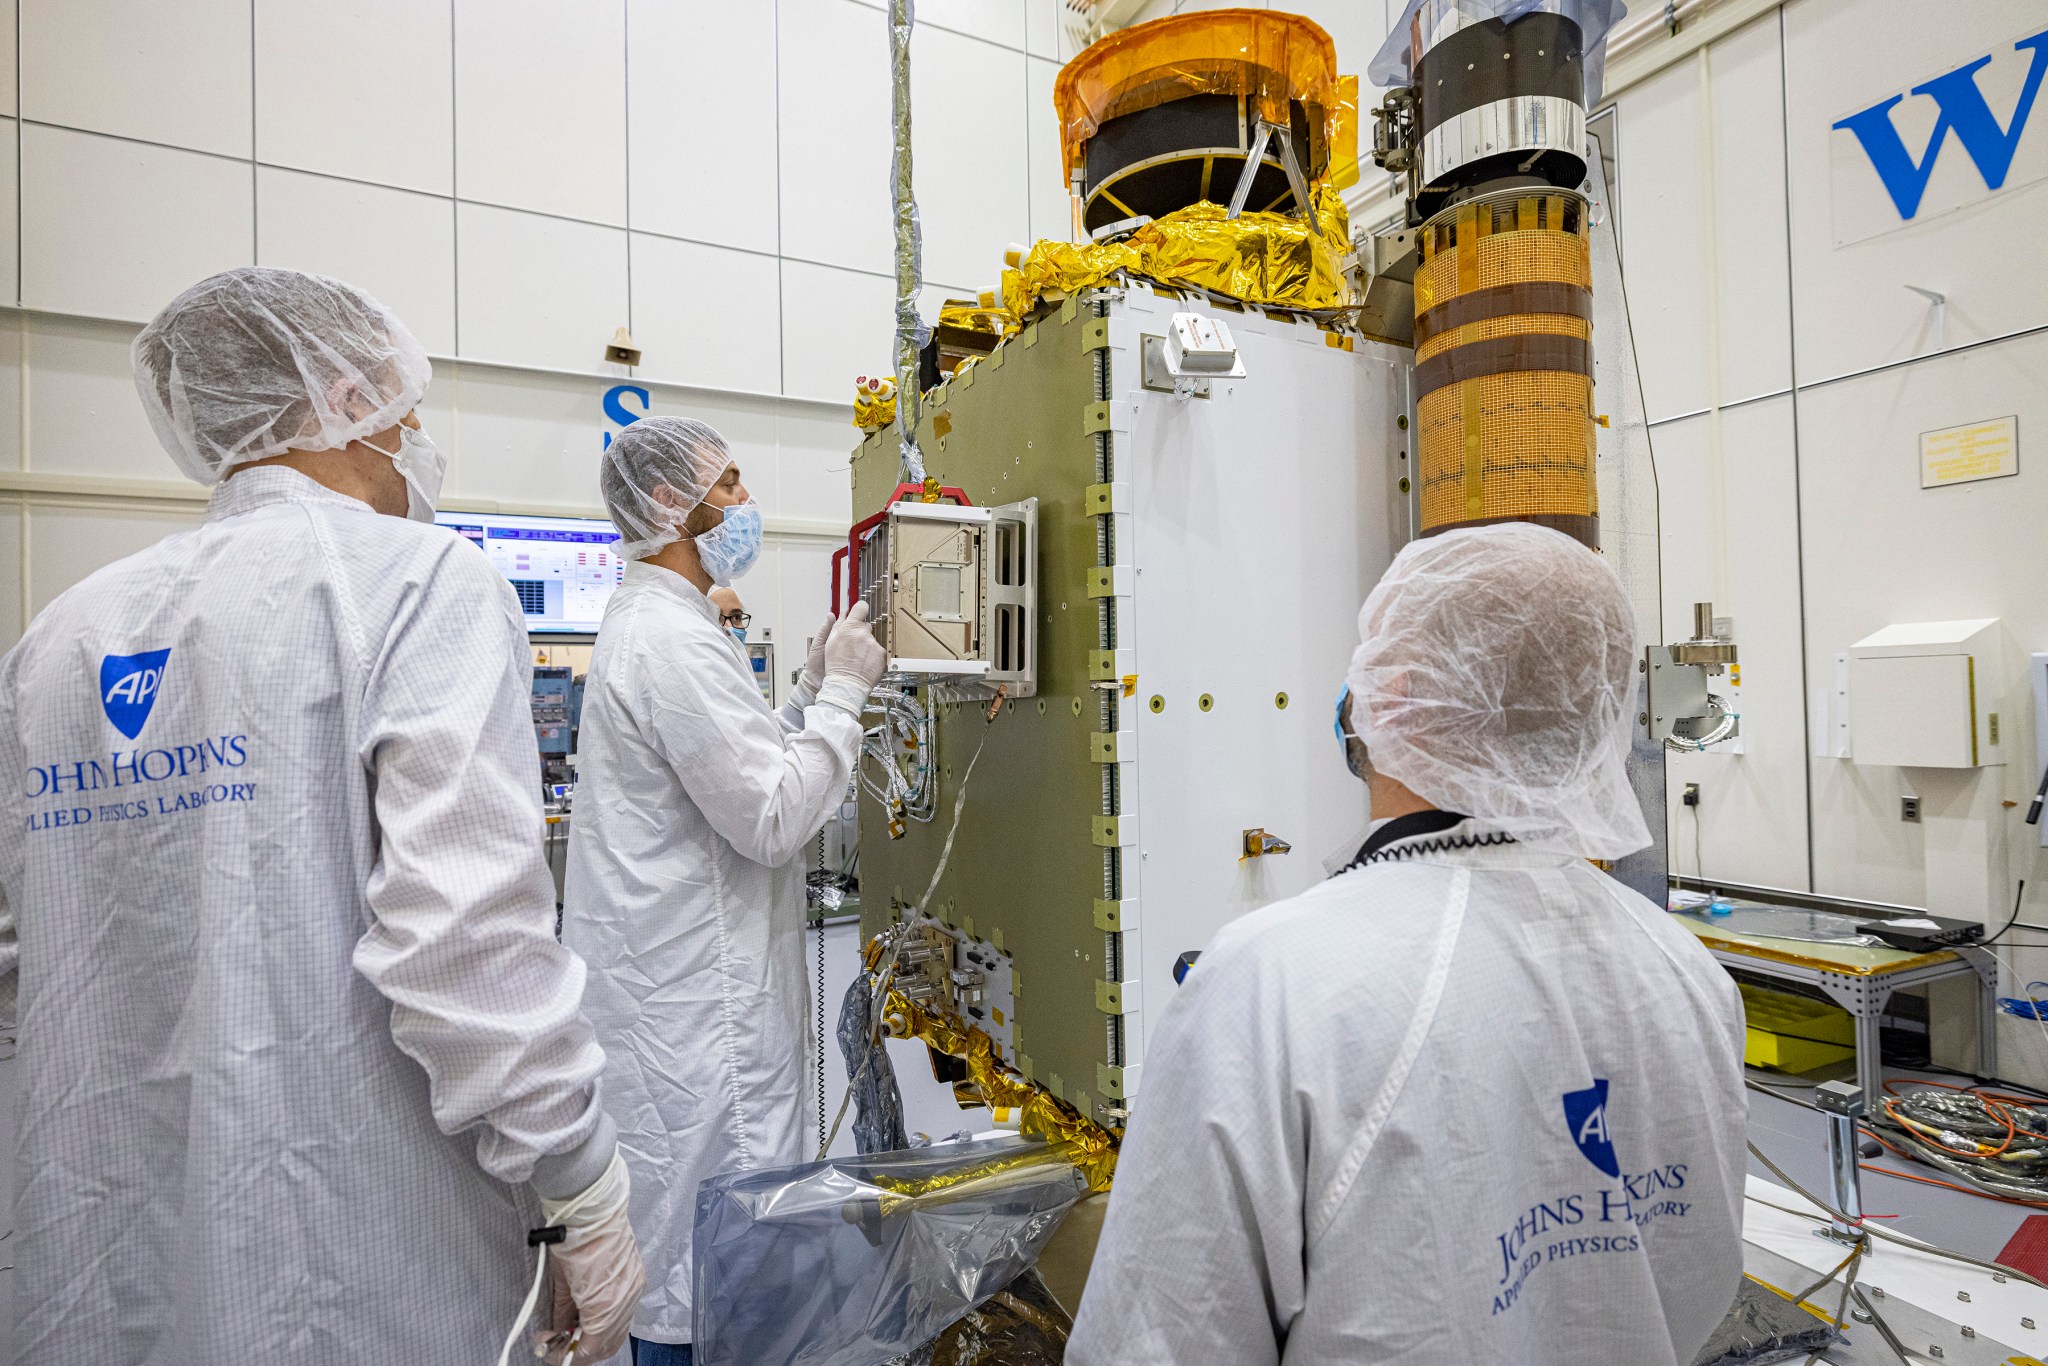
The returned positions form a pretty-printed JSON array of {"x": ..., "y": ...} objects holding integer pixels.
[{"x": 1997, "y": 1143}]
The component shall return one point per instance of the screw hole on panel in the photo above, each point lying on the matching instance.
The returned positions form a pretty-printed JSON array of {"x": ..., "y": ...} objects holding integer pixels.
[
  {"x": 1077, "y": 706},
  {"x": 1158, "y": 704},
  {"x": 1402, "y": 422},
  {"x": 1404, "y": 483},
  {"x": 1280, "y": 700},
  {"x": 1205, "y": 702},
  {"x": 1041, "y": 706}
]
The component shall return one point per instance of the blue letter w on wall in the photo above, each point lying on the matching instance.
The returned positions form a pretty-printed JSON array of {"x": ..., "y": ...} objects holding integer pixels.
[{"x": 1964, "y": 113}]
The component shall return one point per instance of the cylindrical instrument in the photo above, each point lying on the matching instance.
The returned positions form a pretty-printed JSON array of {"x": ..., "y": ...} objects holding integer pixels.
[{"x": 1504, "y": 364}]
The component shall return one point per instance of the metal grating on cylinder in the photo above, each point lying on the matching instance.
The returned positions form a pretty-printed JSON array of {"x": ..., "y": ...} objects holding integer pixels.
[{"x": 1504, "y": 365}]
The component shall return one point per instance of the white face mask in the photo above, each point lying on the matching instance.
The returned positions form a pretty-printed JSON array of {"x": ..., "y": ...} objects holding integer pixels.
[{"x": 421, "y": 464}]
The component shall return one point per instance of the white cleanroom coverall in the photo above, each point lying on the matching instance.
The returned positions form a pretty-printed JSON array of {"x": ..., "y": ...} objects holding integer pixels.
[
  {"x": 685, "y": 894},
  {"x": 1461, "y": 1105},
  {"x": 293, "y": 1020}
]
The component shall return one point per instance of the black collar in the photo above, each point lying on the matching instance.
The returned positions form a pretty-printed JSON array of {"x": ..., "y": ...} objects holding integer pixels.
[
  {"x": 1412, "y": 825},
  {"x": 1402, "y": 827}
]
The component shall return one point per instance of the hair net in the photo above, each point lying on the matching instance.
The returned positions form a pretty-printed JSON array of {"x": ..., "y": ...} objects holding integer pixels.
[
  {"x": 676, "y": 453},
  {"x": 1496, "y": 678},
  {"x": 253, "y": 362}
]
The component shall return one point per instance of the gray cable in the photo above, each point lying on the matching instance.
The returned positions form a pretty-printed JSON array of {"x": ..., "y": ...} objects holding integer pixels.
[{"x": 886, "y": 973}]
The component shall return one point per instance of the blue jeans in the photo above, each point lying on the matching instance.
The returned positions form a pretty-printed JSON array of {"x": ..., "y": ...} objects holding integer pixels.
[{"x": 661, "y": 1353}]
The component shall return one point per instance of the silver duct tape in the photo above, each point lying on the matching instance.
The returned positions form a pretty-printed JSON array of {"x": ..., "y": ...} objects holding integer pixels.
[
  {"x": 911, "y": 332},
  {"x": 1524, "y": 123}
]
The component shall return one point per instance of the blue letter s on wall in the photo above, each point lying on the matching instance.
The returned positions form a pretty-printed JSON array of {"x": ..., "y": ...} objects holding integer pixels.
[{"x": 615, "y": 407}]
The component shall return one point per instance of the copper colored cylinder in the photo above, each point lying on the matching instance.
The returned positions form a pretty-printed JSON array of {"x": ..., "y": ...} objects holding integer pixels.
[{"x": 1504, "y": 365}]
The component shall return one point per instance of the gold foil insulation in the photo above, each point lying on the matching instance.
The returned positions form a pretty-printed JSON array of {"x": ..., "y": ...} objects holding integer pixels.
[
  {"x": 1504, "y": 365},
  {"x": 1268, "y": 57},
  {"x": 874, "y": 402},
  {"x": 1261, "y": 258},
  {"x": 1080, "y": 1140}
]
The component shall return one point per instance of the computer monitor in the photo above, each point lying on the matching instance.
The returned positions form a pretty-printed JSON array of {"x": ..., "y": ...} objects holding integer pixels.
[{"x": 563, "y": 568}]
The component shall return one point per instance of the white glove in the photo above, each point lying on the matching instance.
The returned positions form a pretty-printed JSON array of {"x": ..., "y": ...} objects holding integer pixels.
[
  {"x": 814, "y": 667},
  {"x": 596, "y": 1271},
  {"x": 853, "y": 653}
]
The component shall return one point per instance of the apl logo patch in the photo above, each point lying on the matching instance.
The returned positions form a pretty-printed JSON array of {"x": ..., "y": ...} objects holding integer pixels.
[
  {"x": 128, "y": 688},
  {"x": 1585, "y": 1115}
]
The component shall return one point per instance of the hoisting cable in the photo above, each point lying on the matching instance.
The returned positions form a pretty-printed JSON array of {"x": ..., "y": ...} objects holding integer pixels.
[{"x": 911, "y": 333}]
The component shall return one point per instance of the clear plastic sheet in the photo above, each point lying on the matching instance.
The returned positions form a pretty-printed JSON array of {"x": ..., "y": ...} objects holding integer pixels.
[
  {"x": 1020, "y": 1325},
  {"x": 852, "y": 1261},
  {"x": 1392, "y": 65},
  {"x": 1762, "y": 1327}
]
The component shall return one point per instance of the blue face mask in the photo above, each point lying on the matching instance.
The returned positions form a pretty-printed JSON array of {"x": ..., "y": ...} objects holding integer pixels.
[
  {"x": 729, "y": 549},
  {"x": 1344, "y": 737},
  {"x": 739, "y": 633}
]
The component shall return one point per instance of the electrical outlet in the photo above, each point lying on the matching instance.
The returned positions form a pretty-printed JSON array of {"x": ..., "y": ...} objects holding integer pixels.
[
  {"x": 1692, "y": 794},
  {"x": 1909, "y": 809}
]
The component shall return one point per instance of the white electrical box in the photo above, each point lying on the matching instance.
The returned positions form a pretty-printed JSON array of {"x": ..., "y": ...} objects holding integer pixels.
[{"x": 1925, "y": 695}]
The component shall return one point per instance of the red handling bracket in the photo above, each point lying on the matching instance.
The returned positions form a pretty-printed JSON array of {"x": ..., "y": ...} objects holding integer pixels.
[{"x": 849, "y": 554}]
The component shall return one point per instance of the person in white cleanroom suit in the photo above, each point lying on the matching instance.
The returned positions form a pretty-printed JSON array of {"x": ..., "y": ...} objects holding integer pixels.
[
  {"x": 301, "y": 1061},
  {"x": 685, "y": 884},
  {"x": 1470, "y": 1100}
]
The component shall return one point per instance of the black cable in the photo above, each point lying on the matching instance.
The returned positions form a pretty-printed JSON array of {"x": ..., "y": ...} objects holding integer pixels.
[
  {"x": 2040, "y": 793},
  {"x": 2014, "y": 919}
]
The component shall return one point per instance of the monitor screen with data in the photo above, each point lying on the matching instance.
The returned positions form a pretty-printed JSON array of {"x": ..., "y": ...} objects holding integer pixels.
[{"x": 562, "y": 568}]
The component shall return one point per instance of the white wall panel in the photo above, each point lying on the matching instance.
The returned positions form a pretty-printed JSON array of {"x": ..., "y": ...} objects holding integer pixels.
[
  {"x": 1880, "y": 549},
  {"x": 993, "y": 21},
  {"x": 13, "y": 337},
  {"x": 10, "y": 218},
  {"x": 705, "y": 315},
  {"x": 175, "y": 73},
  {"x": 1702, "y": 197},
  {"x": 364, "y": 90},
  {"x": 833, "y": 92},
  {"x": 397, "y": 245},
  {"x": 84, "y": 414},
  {"x": 1051, "y": 213},
  {"x": 835, "y": 325},
  {"x": 1663, "y": 253},
  {"x": 524, "y": 438},
  {"x": 538, "y": 291},
  {"x": 969, "y": 155},
  {"x": 814, "y": 449},
  {"x": 117, "y": 229},
  {"x": 1752, "y": 291},
  {"x": 1042, "y": 28},
  {"x": 540, "y": 105},
  {"x": 10, "y": 92},
  {"x": 702, "y": 120},
  {"x": 1751, "y": 821},
  {"x": 69, "y": 543},
  {"x": 12, "y": 622},
  {"x": 1855, "y": 310}
]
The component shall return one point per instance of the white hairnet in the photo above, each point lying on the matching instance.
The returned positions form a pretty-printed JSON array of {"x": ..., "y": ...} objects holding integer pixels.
[
  {"x": 253, "y": 362},
  {"x": 1496, "y": 678},
  {"x": 676, "y": 453}
]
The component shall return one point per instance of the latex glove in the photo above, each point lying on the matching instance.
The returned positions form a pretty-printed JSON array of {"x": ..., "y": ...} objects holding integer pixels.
[
  {"x": 853, "y": 653},
  {"x": 596, "y": 1271},
  {"x": 814, "y": 666}
]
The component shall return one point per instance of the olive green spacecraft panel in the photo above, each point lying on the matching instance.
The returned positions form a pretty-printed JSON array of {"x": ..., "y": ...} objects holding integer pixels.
[{"x": 1025, "y": 871}]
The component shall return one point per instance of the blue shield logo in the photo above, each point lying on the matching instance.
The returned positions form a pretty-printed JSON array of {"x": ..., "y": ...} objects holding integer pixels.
[
  {"x": 128, "y": 688},
  {"x": 1585, "y": 1115}
]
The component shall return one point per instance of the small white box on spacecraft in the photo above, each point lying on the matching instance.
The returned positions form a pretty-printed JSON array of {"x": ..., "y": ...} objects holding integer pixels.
[{"x": 1926, "y": 695}]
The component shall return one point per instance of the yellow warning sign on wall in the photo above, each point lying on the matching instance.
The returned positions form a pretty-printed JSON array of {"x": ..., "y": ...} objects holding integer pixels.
[{"x": 1975, "y": 450}]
